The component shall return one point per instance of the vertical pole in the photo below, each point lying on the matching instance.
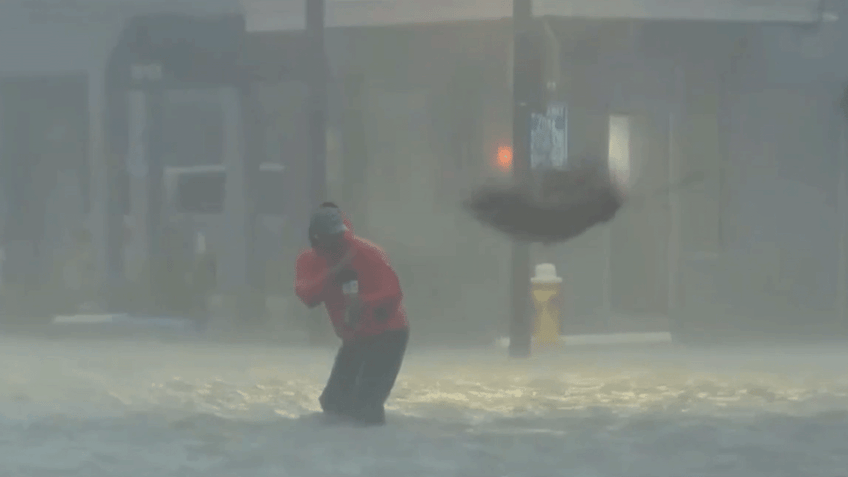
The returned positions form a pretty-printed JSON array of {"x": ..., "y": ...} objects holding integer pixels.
[
  {"x": 317, "y": 80},
  {"x": 724, "y": 156},
  {"x": 316, "y": 75},
  {"x": 253, "y": 151},
  {"x": 100, "y": 189},
  {"x": 842, "y": 214},
  {"x": 674, "y": 211},
  {"x": 155, "y": 186},
  {"x": 136, "y": 161},
  {"x": 607, "y": 237},
  {"x": 115, "y": 226},
  {"x": 607, "y": 278},
  {"x": 520, "y": 331},
  {"x": 675, "y": 117},
  {"x": 5, "y": 203},
  {"x": 234, "y": 258}
]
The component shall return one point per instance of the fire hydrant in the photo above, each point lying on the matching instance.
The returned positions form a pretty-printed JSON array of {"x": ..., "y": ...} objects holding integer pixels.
[{"x": 546, "y": 288}]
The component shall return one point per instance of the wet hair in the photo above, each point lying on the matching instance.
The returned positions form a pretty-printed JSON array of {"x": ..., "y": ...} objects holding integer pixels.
[{"x": 331, "y": 205}]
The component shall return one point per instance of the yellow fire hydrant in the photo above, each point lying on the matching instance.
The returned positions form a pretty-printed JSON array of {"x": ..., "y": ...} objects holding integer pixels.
[{"x": 546, "y": 288}]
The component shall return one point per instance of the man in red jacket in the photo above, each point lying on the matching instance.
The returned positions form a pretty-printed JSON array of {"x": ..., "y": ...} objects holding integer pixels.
[{"x": 362, "y": 295}]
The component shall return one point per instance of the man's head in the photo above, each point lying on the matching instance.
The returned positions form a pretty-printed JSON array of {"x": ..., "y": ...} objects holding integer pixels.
[{"x": 327, "y": 229}]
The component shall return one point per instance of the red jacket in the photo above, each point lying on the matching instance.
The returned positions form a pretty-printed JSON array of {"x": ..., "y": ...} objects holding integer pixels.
[{"x": 379, "y": 289}]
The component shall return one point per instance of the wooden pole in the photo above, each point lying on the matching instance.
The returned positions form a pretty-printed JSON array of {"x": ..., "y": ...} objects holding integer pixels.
[
  {"x": 317, "y": 134},
  {"x": 317, "y": 74},
  {"x": 675, "y": 117},
  {"x": 842, "y": 214},
  {"x": 155, "y": 190},
  {"x": 520, "y": 330}
]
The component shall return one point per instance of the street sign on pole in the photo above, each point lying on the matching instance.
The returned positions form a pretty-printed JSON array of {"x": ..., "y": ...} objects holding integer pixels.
[{"x": 549, "y": 138}]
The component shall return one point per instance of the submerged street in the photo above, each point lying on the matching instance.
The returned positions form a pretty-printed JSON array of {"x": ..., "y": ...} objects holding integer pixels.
[{"x": 91, "y": 408}]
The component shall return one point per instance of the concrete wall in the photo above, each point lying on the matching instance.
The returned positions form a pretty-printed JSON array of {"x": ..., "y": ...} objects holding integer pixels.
[
  {"x": 667, "y": 78},
  {"x": 755, "y": 248},
  {"x": 752, "y": 107},
  {"x": 754, "y": 245},
  {"x": 424, "y": 110},
  {"x": 40, "y": 40},
  {"x": 781, "y": 263},
  {"x": 436, "y": 104},
  {"x": 36, "y": 45}
]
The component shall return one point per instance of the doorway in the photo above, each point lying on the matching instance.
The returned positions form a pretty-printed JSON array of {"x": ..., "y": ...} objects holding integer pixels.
[{"x": 637, "y": 264}]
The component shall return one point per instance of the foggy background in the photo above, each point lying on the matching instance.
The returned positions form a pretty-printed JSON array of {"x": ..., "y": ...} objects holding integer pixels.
[
  {"x": 419, "y": 114},
  {"x": 417, "y": 117}
]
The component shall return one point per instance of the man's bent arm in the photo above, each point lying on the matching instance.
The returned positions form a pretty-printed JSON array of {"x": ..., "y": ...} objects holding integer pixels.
[
  {"x": 310, "y": 280},
  {"x": 388, "y": 291}
]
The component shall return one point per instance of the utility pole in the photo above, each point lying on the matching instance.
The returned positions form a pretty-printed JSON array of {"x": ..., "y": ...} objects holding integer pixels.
[
  {"x": 520, "y": 329},
  {"x": 155, "y": 184},
  {"x": 317, "y": 77},
  {"x": 842, "y": 213}
]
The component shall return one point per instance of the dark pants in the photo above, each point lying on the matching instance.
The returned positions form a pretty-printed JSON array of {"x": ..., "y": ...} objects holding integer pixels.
[{"x": 363, "y": 377}]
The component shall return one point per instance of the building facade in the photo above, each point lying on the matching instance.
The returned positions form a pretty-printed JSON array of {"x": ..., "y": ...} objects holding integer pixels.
[{"x": 744, "y": 93}]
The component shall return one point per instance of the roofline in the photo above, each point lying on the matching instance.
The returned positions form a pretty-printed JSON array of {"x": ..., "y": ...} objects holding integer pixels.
[
  {"x": 289, "y": 15},
  {"x": 282, "y": 15}
]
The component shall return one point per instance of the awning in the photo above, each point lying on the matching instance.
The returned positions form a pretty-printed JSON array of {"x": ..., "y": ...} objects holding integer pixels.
[{"x": 280, "y": 15}]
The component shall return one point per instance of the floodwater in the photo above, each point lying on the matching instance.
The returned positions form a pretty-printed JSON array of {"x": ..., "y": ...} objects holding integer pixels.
[{"x": 131, "y": 409}]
